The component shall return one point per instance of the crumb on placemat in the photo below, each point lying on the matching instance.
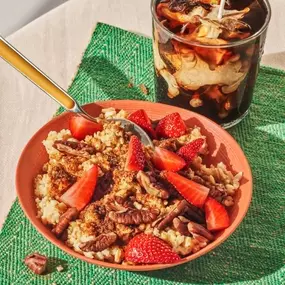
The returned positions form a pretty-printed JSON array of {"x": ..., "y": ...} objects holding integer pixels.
[{"x": 144, "y": 89}]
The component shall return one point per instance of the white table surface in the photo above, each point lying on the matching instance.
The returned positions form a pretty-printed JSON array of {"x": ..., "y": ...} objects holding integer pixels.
[{"x": 55, "y": 42}]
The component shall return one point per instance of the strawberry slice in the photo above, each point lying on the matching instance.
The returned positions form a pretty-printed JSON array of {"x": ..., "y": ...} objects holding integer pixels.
[
  {"x": 148, "y": 249},
  {"x": 81, "y": 192},
  {"x": 135, "y": 158},
  {"x": 171, "y": 126},
  {"x": 140, "y": 118},
  {"x": 217, "y": 217},
  {"x": 164, "y": 159},
  {"x": 194, "y": 193},
  {"x": 81, "y": 127},
  {"x": 189, "y": 151}
]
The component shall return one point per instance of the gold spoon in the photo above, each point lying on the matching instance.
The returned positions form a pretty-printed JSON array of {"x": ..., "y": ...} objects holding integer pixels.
[{"x": 35, "y": 75}]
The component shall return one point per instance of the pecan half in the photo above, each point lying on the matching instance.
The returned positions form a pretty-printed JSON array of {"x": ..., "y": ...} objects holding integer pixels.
[
  {"x": 134, "y": 216},
  {"x": 193, "y": 213},
  {"x": 181, "y": 227},
  {"x": 64, "y": 220},
  {"x": 36, "y": 262},
  {"x": 74, "y": 148},
  {"x": 178, "y": 210},
  {"x": 99, "y": 243},
  {"x": 200, "y": 230},
  {"x": 151, "y": 186}
]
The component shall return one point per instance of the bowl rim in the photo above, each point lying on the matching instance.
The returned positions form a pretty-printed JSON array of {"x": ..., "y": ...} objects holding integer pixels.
[{"x": 200, "y": 253}]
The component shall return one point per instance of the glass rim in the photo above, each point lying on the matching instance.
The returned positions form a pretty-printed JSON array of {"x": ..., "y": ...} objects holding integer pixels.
[{"x": 232, "y": 44}]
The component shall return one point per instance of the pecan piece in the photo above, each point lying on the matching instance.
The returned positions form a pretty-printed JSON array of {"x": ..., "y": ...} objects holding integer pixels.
[
  {"x": 194, "y": 213},
  {"x": 178, "y": 210},
  {"x": 99, "y": 243},
  {"x": 134, "y": 216},
  {"x": 181, "y": 227},
  {"x": 74, "y": 148},
  {"x": 200, "y": 230},
  {"x": 36, "y": 262},
  {"x": 151, "y": 186},
  {"x": 70, "y": 215}
]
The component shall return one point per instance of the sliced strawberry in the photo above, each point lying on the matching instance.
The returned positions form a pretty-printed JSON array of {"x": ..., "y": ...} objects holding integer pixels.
[
  {"x": 148, "y": 249},
  {"x": 81, "y": 192},
  {"x": 140, "y": 118},
  {"x": 217, "y": 217},
  {"x": 194, "y": 193},
  {"x": 164, "y": 159},
  {"x": 81, "y": 127},
  {"x": 135, "y": 158},
  {"x": 189, "y": 151},
  {"x": 171, "y": 126}
]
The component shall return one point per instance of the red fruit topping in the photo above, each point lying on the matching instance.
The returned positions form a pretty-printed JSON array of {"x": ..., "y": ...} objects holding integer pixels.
[
  {"x": 81, "y": 192},
  {"x": 171, "y": 126},
  {"x": 164, "y": 159},
  {"x": 194, "y": 193},
  {"x": 148, "y": 249},
  {"x": 140, "y": 118},
  {"x": 135, "y": 158},
  {"x": 189, "y": 151},
  {"x": 217, "y": 217},
  {"x": 81, "y": 127}
]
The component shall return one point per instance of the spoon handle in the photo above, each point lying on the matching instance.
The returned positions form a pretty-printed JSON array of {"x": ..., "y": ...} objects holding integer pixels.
[{"x": 34, "y": 74}]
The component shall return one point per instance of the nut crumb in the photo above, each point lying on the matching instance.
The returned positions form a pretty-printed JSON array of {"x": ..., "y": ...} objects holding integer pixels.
[
  {"x": 144, "y": 89},
  {"x": 59, "y": 268},
  {"x": 130, "y": 85}
]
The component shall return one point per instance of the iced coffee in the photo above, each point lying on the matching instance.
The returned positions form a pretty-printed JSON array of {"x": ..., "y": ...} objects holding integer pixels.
[{"x": 207, "y": 64}]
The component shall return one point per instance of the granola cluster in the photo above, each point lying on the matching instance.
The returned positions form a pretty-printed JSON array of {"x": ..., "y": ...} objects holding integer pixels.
[{"x": 125, "y": 203}]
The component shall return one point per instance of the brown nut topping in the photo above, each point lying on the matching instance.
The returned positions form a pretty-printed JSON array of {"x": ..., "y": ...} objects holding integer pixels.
[
  {"x": 193, "y": 213},
  {"x": 74, "y": 148},
  {"x": 134, "y": 216},
  {"x": 178, "y": 210},
  {"x": 64, "y": 220},
  {"x": 181, "y": 227},
  {"x": 151, "y": 186},
  {"x": 99, "y": 243},
  {"x": 36, "y": 262},
  {"x": 200, "y": 230}
]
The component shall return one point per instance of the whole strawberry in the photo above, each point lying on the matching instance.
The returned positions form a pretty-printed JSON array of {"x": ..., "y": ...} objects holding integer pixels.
[
  {"x": 148, "y": 249},
  {"x": 189, "y": 151},
  {"x": 171, "y": 126}
]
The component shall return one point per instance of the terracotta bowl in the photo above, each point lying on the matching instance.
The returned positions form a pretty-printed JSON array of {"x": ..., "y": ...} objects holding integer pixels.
[{"x": 222, "y": 147}]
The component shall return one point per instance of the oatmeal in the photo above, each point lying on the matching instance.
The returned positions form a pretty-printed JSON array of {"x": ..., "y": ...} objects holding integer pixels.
[{"x": 110, "y": 198}]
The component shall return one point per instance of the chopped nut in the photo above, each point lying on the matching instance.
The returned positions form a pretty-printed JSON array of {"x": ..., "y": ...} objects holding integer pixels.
[
  {"x": 178, "y": 210},
  {"x": 134, "y": 216},
  {"x": 36, "y": 262},
  {"x": 151, "y": 186},
  {"x": 143, "y": 89},
  {"x": 70, "y": 215},
  {"x": 74, "y": 148},
  {"x": 181, "y": 227},
  {"x": 200, "y": 230},
  {"x": 99, "y": 243}
]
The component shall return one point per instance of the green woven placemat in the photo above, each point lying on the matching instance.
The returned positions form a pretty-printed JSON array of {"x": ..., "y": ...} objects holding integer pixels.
[{"x": 254, "y": 254}]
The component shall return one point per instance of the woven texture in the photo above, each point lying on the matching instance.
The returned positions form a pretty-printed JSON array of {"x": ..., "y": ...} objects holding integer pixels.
[{"x": 254, "y": 254}]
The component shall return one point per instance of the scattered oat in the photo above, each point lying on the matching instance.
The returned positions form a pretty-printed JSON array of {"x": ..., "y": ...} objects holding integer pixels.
[
  {"x": 143, "y": 89},
  {"x": 59, "y": 268},
  {"x": 69, "y": 275}
]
